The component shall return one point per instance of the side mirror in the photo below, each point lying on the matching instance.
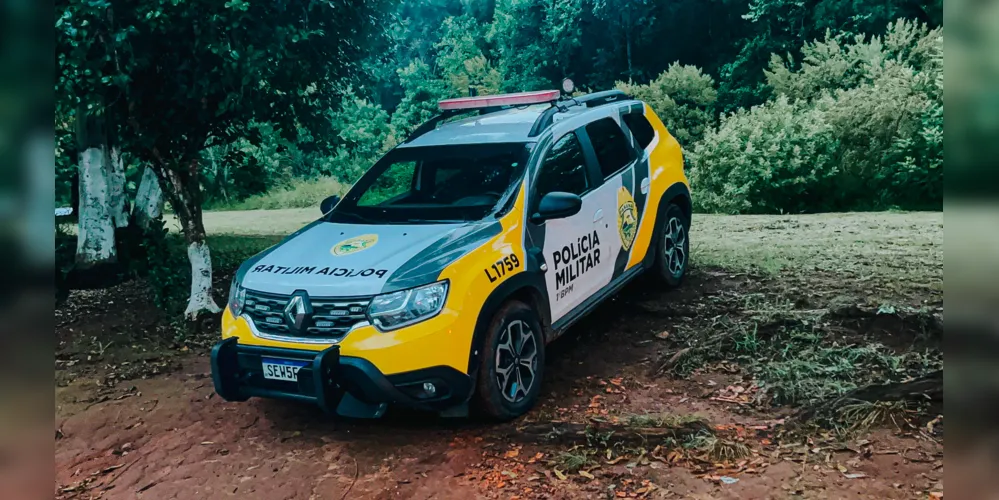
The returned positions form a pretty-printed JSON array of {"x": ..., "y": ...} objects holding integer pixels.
[
  {"x": 329, "y": 203},
  {"x": 557, "y": 205}
]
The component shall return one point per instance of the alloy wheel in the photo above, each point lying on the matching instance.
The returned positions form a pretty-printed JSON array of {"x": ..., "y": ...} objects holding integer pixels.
[
  {"x": 516, "y": 361},
  {"x": 676, "y": 254}
]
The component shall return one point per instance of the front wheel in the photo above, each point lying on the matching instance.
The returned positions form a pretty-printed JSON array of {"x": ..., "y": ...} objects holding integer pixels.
[
  {"x": 512, "y": 363},
  {"x": 672, "y": 247}
]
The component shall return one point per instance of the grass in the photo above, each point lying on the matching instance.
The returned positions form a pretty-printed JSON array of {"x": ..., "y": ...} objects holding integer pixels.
[
  {"x": 301, "y": 193},
  {"x": 901, "y": 247},
  {"x": 575, "y": 459},
  {"x": 715, "y": 448},
  {"x": 796, "y": 356},
  {"x": 863, "y": 415}
]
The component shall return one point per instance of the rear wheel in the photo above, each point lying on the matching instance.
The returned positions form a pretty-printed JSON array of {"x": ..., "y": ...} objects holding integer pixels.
[
  {"x": 512, "y": 363},
  {"x": 672, "y": 246}
]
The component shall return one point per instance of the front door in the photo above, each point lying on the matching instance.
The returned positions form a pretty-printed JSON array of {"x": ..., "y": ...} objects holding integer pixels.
[{"x": 573, "y": 247}]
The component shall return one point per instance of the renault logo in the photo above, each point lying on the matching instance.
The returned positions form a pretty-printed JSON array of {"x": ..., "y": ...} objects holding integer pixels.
[{"x": 297, "y": 311}]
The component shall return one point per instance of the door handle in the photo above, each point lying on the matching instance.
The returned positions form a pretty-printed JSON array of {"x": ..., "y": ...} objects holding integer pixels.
[{"x": 598, "y": 216}]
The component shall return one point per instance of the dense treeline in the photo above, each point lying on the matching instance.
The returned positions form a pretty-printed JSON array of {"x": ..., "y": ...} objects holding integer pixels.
[
  {"x": 780, "y": 105},
  {"x": 754, "y": 90}
]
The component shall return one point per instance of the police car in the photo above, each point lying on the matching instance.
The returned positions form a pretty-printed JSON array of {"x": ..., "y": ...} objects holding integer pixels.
[{"x": 439, "y": 278}]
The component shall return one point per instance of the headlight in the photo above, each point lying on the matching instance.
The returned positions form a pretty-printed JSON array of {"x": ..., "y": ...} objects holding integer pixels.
[
  {"x": 406, "y": 307},
  {"x": 237, "y": 297}
]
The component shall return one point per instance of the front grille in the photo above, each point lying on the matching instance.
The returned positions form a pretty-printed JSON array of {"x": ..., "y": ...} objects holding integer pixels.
[{"x": 332, "y": 318}]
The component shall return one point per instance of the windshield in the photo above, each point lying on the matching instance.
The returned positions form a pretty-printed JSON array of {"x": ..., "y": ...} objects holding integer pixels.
[{"x": 434, "y": 184}]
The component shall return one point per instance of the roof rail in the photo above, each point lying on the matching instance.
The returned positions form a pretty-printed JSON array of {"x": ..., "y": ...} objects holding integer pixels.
[{"x": 589, "y": 100}]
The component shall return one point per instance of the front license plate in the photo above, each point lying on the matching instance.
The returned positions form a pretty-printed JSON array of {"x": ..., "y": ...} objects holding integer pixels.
[{"x": 281, "y": 369}]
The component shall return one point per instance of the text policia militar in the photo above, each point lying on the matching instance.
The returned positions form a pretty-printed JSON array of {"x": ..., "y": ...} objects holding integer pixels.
[
  {"x": 575, "y": 259},
  {"x": 342, "y": 272}
]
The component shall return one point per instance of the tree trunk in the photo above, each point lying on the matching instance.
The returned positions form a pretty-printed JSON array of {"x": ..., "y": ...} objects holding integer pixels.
[
  {"x": 148, "y": 200},
  {"x": 95, "y": 239},
  {"x": 182, "y": 187},
  {"x": 117, "y": 202}
]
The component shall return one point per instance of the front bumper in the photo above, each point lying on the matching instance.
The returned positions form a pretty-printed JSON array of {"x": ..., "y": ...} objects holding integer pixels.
[{"x": 343, "y": 385}]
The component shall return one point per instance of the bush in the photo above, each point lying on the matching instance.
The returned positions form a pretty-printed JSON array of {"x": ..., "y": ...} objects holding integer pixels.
[
  {"x": 858, "y": 126},
  {"x": 682, "y": 96},
  {"x": 776, "y": 157},
  {"x": 300, "y": 193}
]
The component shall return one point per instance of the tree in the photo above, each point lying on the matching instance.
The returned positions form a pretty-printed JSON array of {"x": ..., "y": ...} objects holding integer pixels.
[
  {"x": 461, "y": 60},
  {"x": 195, "y": 73}
]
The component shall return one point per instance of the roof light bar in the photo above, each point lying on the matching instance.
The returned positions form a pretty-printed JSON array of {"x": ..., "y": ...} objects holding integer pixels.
[{"x": 489, "y": 101}]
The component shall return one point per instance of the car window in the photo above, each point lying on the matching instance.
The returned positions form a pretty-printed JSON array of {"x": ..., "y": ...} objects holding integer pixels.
[
  {"x": 610, "y": 145},
  {"x": 640, "y": 128},
  {"x": 564, "y": 168},
  {"x": 395, "y": 184}
]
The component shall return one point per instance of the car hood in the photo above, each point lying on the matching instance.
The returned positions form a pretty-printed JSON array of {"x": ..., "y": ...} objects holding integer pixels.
[{"x": 350, "y": 260}]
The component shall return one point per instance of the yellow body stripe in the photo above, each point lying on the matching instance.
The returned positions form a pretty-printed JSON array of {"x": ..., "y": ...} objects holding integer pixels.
[{"x": 665, "y": 169}]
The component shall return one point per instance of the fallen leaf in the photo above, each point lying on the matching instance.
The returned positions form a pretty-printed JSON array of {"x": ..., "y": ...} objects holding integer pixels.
[
  {"x": 855, "y": 475},
  {"x": 511, "y": 454},
  {"x": 560, "y": 474},
  {"x": 663, "y": 334},
  {"x": 587, "y": 475}
]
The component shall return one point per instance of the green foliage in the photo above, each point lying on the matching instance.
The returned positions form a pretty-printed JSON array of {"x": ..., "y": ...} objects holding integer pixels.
[
  {"x": 422, "y": 91},
  {"x": 364, "y": 134},
  {"x": 198, "y": 72},
  {"x": 683, "y": 97},
  {"x": 518, "y": 33},
  {"x": 804, "y": 368},
  {"x": 776, "y": 157},
  {"x": 857, "y": 126},
  {"x": 461, "y": 60},
  {"x": 165, "y": 267}
]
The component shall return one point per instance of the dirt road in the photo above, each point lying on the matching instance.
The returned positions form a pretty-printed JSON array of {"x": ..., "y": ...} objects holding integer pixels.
[{"x": 138, "y": 419}]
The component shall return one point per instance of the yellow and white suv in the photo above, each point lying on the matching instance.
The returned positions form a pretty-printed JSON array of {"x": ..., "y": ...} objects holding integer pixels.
[{"x": 441, "y": 275}]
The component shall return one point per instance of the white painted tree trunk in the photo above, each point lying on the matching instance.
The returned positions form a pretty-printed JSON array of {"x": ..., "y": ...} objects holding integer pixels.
[
  {"x": 201, "y": 281},
  {"x": 116, "y": 189},
  {"x": 148, "y": 199},
  {"x": 95, "y": 239}
]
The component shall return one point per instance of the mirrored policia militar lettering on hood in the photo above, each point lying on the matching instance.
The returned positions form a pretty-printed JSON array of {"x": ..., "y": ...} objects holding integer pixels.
[{"x": 405, "y": 256}]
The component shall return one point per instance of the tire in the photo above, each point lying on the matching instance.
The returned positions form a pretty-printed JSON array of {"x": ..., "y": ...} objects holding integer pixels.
[
  {"x": 672, "y": 247},
  {"x": 514, "y": 321}
]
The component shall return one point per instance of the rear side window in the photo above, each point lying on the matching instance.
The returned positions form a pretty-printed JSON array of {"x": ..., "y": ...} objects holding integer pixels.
[
  {"x": 564, "y": 168},
  {"x": 640, "y": 128},
  {"x": 610, "y": 145}
]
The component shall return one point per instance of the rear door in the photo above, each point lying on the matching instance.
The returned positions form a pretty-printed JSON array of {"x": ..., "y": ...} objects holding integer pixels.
[{"x": 615, "y": 157}]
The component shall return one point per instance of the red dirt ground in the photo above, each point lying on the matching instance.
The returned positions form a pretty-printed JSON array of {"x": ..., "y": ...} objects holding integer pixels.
[{"x": 139, "y": 419}]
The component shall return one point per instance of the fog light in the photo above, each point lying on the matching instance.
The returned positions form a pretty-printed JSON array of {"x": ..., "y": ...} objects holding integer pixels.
[{"x": 429, "y": 388}]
